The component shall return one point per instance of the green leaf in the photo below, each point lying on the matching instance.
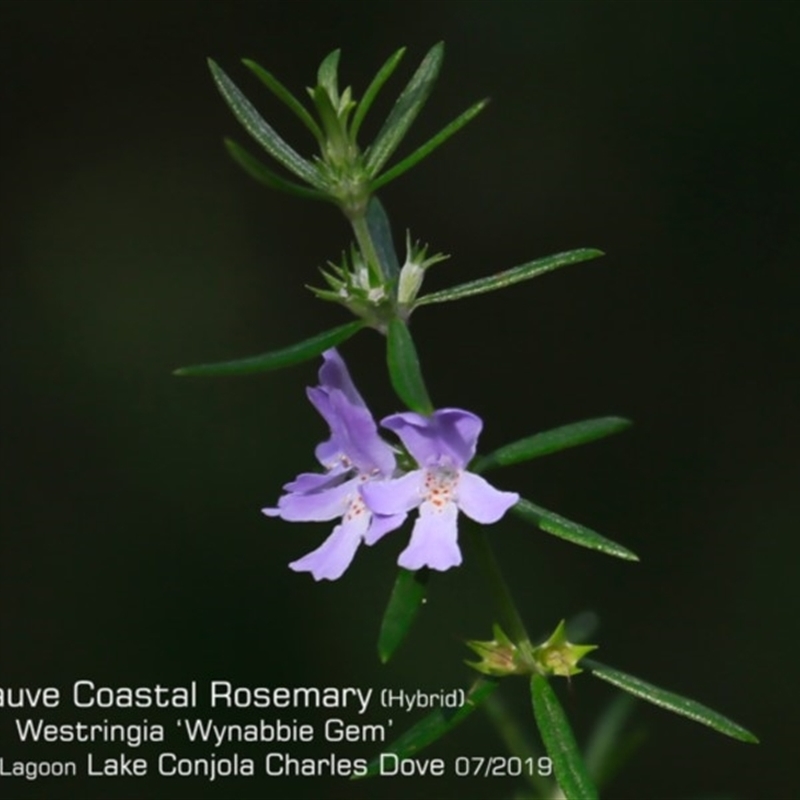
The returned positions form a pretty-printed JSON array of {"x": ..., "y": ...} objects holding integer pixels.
[
  {"x": 405, "y": 110},
  {"x": 327, "y": 114},
  {"x": 559, "y": 741},
  {"x": 426, "y": 149},
  {"x": 542, "y": 444},
  {"x": 404, "y": 369},
  {"x": 253, "y": 167},
  {"x": 610, "y": 744},
  {"x": 285, "y": 96},
  {"x": 435, "y": 725},
  {"x": 380, "y": 232},
  {"x": 670, "y": 701},
  {"x": 516, "y": 739},
  {"x": 262, "y": 132},
  {"x": 571, "y": 531},
  {"x": 277, "y": 359},
  {"x": 371, "y": 93},
  {"x": 406, "y": 599},
  {"x": 328, "y": 74},
  {"x": 511, "y": 276}
]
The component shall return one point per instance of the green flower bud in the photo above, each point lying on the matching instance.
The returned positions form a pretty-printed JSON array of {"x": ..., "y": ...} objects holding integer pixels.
[
  {"x": 500, "y": 656},
  {"x": 413, "y": 271},
  {"x": 557, "y": 656}
]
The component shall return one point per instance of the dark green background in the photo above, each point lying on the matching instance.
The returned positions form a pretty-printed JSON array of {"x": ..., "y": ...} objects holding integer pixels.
[{"x": 133, "y": 550}]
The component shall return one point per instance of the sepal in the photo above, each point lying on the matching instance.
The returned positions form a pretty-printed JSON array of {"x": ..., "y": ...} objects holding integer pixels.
[
  {"x": 355, "y": 286},
  {"x": 558, "y": 656},
  {"x": 413, "y": 271},
  {"x": 499, "y": 656}
]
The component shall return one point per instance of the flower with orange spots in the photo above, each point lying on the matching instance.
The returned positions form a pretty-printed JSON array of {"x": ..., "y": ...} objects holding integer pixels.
[
  {"x": 442, "y": 444},
  {"x": 354, "y": 455}
]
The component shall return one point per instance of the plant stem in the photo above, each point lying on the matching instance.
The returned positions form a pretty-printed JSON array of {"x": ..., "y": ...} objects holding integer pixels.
[
  {"x": 515, "y": 740},
  {"x": 512, "y": 622},
  {"x": 367, "y": 246}
]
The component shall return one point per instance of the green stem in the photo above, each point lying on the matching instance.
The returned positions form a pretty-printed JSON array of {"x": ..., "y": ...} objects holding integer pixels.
[
  {"x": 515, "y": 740},
  {"x": 512, "y": 622},
  {"x": 367, "y": 246}
]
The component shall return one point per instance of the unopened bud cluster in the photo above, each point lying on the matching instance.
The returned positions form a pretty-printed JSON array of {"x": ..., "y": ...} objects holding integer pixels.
[{"x": 556, "y": 656}]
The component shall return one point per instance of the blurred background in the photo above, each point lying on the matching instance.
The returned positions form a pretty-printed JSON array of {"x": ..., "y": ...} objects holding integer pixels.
[{"x": 133, "y": 550}]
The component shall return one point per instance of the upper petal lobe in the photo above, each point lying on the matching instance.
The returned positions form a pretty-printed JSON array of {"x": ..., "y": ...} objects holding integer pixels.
[{"x": 448, "y": 435}]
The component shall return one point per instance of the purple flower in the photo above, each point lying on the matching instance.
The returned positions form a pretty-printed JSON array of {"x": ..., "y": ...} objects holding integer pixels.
[
  {"x": 442, "y": 445},
  {"x": 354, "y": 455}
]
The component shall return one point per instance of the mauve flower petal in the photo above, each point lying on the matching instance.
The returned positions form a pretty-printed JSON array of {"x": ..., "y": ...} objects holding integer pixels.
[
  {"x": 320, "y": 399},
  {"x": 414, "y": 432},
  {"x": 357, "y": 433},
  {"x": 458, "y": 430},
  {"x": 381, "y": 525},
  {"x": 480, "y": 501},
  {"x": 307, "y": 482},
  {"x": 333, "y": 374},
  {"x": 449, "y": 434},
  {"x": 334, "y": 555},
  {"x": 355, "y": 449},
  {"x": 395, "y": 496},
  {"x": 317, "y": 506},
  {"x": 329, "y": 453},
  {"x": 354, "y": 433},
  {"x": 434, "y": 540}
]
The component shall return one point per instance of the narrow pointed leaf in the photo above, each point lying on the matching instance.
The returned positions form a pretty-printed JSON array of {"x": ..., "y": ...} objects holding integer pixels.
[
  {"x": 253, "y": 167},
  {"x": 611, "y": 744},
  {"x": 371, "y": 93},
  {"x": 426, "y": 149},
  {"x": 277, "y": 359},
  {"x": 404, "y": 369},
  {"x": 541, "y": 444},
  {"x": 381, "y": 233},
  {"x": 406, "y": 599},
  {"x": 405, "y": 110},
  {"x": 511, "y": 276},
  {"x": 324, "y": 294},
  {"x": 328, "y": 74},
  {"x": 571, "y": 531},
  {"x": 515, "y": 736},
  {"x": 559, "y": 741},
  {"x": 261, "y": 131},
  {"x": 285, "y": 96},
  {"x": 670, "y": 701},
  {"x": 435, "y": 725},
  {"x": 346, "y": 106},
  {"x": 327, "y": 113}
]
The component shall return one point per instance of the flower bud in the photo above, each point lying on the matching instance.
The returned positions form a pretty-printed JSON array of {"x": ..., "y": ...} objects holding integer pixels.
[
  {"x": 413, "y": 271},
  {"x": 500, "y": 656},
  {"x": 557, "y": 656}
]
